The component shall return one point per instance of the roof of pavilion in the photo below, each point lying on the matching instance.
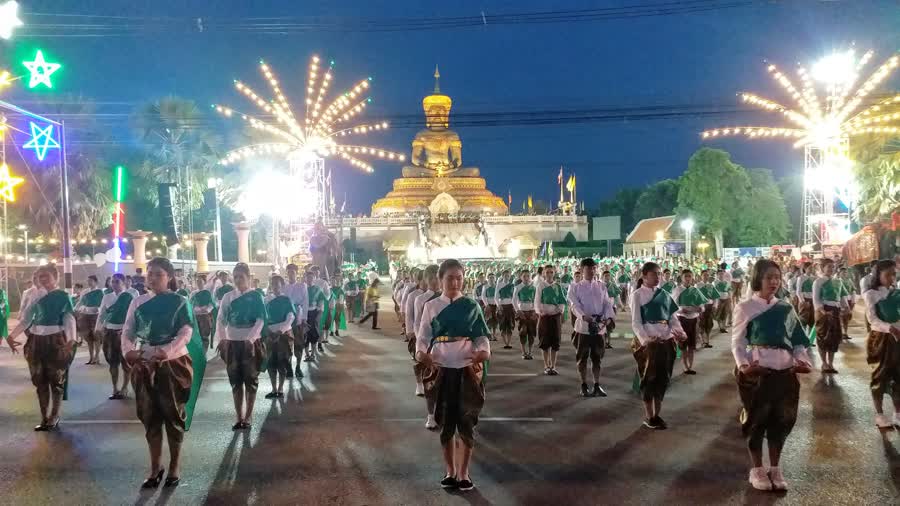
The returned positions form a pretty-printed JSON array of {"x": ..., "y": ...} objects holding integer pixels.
[{"x": 645, "y": 230}]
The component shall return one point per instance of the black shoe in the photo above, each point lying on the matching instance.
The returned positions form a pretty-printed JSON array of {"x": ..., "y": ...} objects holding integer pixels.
[
  {"x": 707, "y": 345},
  {"x": 465, "y": 485},
  {"x": 172, "y": 481},
  {"x": 41, "y": 427},
  {"x": 337, "y": 333},
  {"x": 529, "y": 357},
  {"x": 584, "y": 390},
  {"x": 245, "y": 426},
  {"x": 651, "y": 423},
  {"x": 554, "y": 372},
  {"x": 237, "y": 426},
  {"x": 52, "y": 425},
  {"x": 320, "y": 347},
  {"x": 448, "y": 482},
  {"x": 331, "y": 334},
  {"x": 507, "y": 347},
  {"x": 271, "y": 395},
  {"x": 690, "y": 371},
  {"x": 153, "y": 482},
  {"x": 376, "y": 328},
  {"x": 608, "y": 346},
  {"x": 279, "y": 395},
  {"x": 598, "y": 391},
  {"x": 660, "y": 423},
  {"x": 289, "y": 374},
  {"x": 524, "y": 356},
  {"x": 297, "y": 371}
]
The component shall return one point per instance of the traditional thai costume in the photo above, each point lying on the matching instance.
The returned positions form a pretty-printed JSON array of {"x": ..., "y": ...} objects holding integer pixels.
[
  {"x": 280, "y": 314},
  {"x": 737, "y": 285},
  {"x": 299, "y": 295},
  {"x": 489, "y": 299},
  {"x": 829, "y": 298},
  {"x": 882, "y": 348},
  {"x": 338, "y": 306},
  {"x": 653, "y": 319},
  {"x": 768, "y": 332},
  {"x": 238, "y": 330},
  {"x": 451, "y": 331},
  {"x": 418, "y": 308},
  {"x": 504, "y": 302},
  {"x": 86, "y": 311},
  {"x": 50, "y": 327},
  {"x": 162, "y": 388},
  {"x": 624, "y": 281},
  {"x": 222, "y": 291},
  {"x": 113, "y": 312},
  {"x": 549, "y": 302},
  {"x": 204, "y": 307},
  {"x": 590, "y": 298},
  {"x": 317, "y": 300},
  {"x": 523, "y": 302},
  {"x": 705, "y": 325},
  {"x": 4, "y": 314},
  {"x": 690, "y": 302},
  {"x": 805, "y": 308},
  {"x": 723, "y": 308},
  {"x": 351, "y": 294}
]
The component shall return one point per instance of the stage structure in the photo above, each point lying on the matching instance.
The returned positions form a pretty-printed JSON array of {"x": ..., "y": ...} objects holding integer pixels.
[
  {"x": 824, "y": 130},
  {"x": 296, "y": 190}
]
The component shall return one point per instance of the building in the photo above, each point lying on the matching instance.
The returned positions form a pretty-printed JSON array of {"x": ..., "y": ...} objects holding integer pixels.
[{"x": 653, "y": 236}]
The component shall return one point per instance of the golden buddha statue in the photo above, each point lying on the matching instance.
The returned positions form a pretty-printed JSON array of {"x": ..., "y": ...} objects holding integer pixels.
[
  {"x": 436, "y": 182},
  {"x": 437, "y": 150}
]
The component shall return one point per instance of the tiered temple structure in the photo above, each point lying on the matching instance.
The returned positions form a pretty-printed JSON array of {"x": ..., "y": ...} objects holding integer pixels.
[{"x": 440, "y": 208}]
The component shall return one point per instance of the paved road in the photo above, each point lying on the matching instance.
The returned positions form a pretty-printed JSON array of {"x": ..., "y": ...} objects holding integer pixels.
[{"x": 352, "y": 433}]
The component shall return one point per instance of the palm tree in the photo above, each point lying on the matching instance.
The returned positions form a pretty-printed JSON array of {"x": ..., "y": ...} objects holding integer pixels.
[{"x": 878, "y": 176}]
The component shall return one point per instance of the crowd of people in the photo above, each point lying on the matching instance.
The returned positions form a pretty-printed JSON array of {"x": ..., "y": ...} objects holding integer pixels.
[
  {"x": 449, "y": 315},
  {"x": 775, "y": 309}
]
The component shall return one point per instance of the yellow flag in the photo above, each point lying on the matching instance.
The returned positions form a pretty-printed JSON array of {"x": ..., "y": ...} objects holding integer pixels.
[
  {"x": 570, "y": 185},
  {"x": 530, "y": 203}
]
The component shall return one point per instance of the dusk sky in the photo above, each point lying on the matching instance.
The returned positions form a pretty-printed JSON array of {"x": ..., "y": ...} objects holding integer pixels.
[{"x": 695, "y": 59}]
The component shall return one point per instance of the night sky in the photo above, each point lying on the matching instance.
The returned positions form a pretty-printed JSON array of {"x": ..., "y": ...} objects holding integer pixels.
[{"x": 699, "y": 59}]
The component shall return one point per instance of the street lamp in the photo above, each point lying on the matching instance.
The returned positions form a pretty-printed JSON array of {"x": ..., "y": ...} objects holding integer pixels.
[
  {"x": 687, "y": 225},
  {"x": 213, "y": 183},
  {"x": 24, "y": 228}
]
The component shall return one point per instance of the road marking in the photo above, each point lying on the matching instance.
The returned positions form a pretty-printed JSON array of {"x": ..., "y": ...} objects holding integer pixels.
[
  {"x": 482, "y": 419},
  {"x": 419, "y": 419},
  {"x": 496, "y": 374}
]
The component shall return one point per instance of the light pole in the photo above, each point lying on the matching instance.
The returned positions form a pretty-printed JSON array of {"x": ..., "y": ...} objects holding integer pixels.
[
  {"x": 24, "y": 228},
  {"x": 213, "y": 184},
  {"x": 687, "y": 225}
]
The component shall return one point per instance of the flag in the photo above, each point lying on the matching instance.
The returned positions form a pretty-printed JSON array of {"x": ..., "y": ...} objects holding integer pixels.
[
  {"x": 509, "y": 196},
  {"x": 560, "y": 176},
  {"x": 530, "y": 203},
  {"x": 570, "y": 185}
]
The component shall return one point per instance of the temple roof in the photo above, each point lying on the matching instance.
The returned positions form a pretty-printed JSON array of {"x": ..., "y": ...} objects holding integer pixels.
[{"x": 645, "y": 230}]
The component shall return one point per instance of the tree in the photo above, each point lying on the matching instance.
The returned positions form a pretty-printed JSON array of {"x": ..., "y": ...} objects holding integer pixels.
[
  {"x": 712, "y": 190},
  {"x": 622, "y": 204},
  {"x": 659, "y": 199},
  {"x": 792, "y": 192},
  {"x": 763, "y": 219},
  {"x": 877, "y": 174}
]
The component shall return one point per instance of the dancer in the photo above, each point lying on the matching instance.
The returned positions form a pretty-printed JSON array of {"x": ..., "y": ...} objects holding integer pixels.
[
  {"x": 280, "y": 314},
  {"x": 613, "y": 290},
  {"x": 829, "y": 299},
  {"x": 624, "y": 281},
  {"x": 655, "y": 324},
  {"x": 804, "y": 290},
  {"x": 507, "y": 313},
  {"x": 204, "y": 306},
  {"x": 351, "y": 294},
  {"x": 224, "y": 286},
  {"x": 477, "y": 292},
  {"x": 317, "y": 301},
  {"x": 337, "y": 305},
  {"x": 723, "y": 306},
  {"x": 488, "y": 298},
  {"x": 883, "y": 345},
  {"x": 86, "y": 311},
  {"x": 847, "y": 312},
  {"x": 549, "y": 302},
  {"x": 737, "y": 283},
  {"x": 155, "y": 341},
  {"x": 667, "y": 283},
  {"x": 113, "y": 312},
  {"x": 432, "y": 291},
  {"x": 691, "y": 302},
  {"x": 49, "y": 324},
  {"x": 408, "y": 309},
  {"x": 452, "y": 342},
  {"x": 523, "y": 301},
  {"x": 769, "y": 347},
  {"x": 298, "y": 292},
  {"x": 242, "y": 314},
  {"x": 593, "y": 310},
  {"x": 705, "y": 325}
]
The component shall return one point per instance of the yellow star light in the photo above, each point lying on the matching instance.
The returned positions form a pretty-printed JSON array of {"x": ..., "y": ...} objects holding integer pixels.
[{"x": 7, "y": 184}]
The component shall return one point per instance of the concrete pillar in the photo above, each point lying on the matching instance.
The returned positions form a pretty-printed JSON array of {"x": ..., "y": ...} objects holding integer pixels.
[
  {"x": 173, "y": 252},
  {"x": 201, "y": 241},
  {"x": 242, "y": 229},
  {"x": 139, "y": 244}
]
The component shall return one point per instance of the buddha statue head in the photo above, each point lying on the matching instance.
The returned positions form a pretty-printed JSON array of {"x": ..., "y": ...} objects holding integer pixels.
[{"x": 437, "y": 107}]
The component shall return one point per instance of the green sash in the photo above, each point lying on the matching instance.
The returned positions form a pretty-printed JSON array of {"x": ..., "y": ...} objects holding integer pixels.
[
  {"x": 506, "y": 292},
  {"x": 489, "y": 292},
  {"x": 118, "y": 310},
  {"x": 613, "y": 290},
  {"x": 723, "y": 287},
  {"x": 461, "y": 318},
  {"x": 692, "y": 296},
  {"x": 552, "y": 295},
  {"x": 832, "y": 290},
  {"x": 198, "y": 363},
  {"x": 278, "y": 309},
  {"x": 203, "y": 298},
  {"x": 92, "y": 298},
  {"x": 159, "y": 319},
  {"x": 624, "y": 278},
  {"x": 566, "y": 279},
  {"x": 668, "y": 286},
  {"x": 183, "y": 292},
  {"x": 51, "y": 308},
  {"x": 777, "y": 327},
  {"x": 782, "y": 293},
  {"x": 888, "y": 308},
  {"x": 526, "y": 293},
  {"x": 244, "y": 310},
  {"x": 807, "y": 285},
  {"x": 4, "y": 314},
  {"x": 710, "y": 292},
  {"x": 479, "y": 289},
  {"x": 660, "y": 308},
  {"x": 222, "y": 290}
]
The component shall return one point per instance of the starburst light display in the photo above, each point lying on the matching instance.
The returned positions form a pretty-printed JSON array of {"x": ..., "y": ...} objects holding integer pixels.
[{"x": 324, "y": 129}]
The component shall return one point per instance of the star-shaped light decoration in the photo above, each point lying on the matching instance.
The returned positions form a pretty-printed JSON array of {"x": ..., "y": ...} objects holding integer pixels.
[
  {"x": 9, "y": 19},
  {"x": 40, "y": 70},
  {"x": 41, "y": 140},
  {"x": 8, "y": 182}
]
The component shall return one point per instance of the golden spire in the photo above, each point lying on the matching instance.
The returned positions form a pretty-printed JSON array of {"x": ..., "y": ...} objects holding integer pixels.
[{"x": 437, "y": 80}]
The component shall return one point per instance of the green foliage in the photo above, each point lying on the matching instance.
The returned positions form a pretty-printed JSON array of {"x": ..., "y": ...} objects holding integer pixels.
[
  {"x": 792, "y": 192},
  {"x": 879, "y": 187},
  {"x": 658, "y": 199},
  {"x": 763, "y": 219},
  {"x": 713, "y": 190}
]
